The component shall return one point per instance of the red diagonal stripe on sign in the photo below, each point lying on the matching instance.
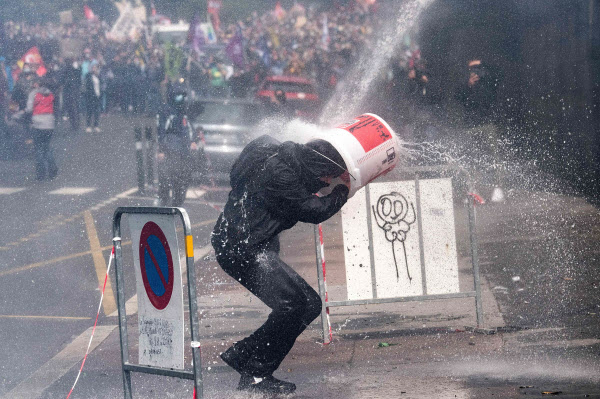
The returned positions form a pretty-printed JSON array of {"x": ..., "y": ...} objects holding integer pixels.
[{"x": 160, "y": 274}]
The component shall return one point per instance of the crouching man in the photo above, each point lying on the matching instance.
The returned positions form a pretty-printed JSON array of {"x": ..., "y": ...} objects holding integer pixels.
[{"x": 273, "y": 187}]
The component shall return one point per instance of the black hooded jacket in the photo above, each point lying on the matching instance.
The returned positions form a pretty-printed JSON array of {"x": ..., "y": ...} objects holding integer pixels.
[{"x": 273, "y": 187}]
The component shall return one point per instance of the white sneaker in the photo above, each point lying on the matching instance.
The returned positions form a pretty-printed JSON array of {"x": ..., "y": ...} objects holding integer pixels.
[
  {"x": 97, "y": 129},
  {"x": 88, "y": 129},
  {"x": 498, "y": 195}
]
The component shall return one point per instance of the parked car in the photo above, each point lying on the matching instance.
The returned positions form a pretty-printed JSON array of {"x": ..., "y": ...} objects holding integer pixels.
[
  {"x": 300, "y": 94},
  {"x": 224, "y": 126}
]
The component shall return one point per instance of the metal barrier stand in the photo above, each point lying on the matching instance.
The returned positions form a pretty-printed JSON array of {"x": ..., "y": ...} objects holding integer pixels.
[
  {"x": 196, "y": 374},
  {"x": 476, "y": 293}
]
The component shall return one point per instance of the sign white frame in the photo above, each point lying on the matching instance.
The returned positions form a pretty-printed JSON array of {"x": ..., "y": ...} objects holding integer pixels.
[{"x": 127, "y": 368}]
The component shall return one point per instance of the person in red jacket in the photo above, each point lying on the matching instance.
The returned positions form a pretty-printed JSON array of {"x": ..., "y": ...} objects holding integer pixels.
[{"x": 40, "y": 104}]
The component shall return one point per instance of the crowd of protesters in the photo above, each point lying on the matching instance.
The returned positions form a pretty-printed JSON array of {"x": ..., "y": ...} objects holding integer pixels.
[{"x": 131, "y": 76}]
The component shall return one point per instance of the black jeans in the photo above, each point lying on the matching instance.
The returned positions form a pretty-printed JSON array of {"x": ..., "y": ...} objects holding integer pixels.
[
  {"x": 71, "y": 106},
  {"x": 174, "y": 175},
  {"x": 45, "y": 166},
  {"x": 294, "y": 303},
  {"x": 93, "y": 106}
]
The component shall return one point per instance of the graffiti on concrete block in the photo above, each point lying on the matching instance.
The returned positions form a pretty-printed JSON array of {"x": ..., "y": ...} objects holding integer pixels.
[{"x": 394, "y": 215}]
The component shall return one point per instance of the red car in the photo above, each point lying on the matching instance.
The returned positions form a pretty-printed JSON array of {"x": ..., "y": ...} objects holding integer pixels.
[{"x": 300, "y": 94}]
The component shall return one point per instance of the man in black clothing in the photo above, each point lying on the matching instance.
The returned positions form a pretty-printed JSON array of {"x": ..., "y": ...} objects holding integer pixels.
[
  {"x": 273, "y": 187},
  {"x": 71, "y": 83},
  {"x": 175, "y": 141},
  {"x": 479, "y": 99}
]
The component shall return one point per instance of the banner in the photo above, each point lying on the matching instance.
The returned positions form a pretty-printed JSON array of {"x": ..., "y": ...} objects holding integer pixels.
[{"x": 130, "y": 23}]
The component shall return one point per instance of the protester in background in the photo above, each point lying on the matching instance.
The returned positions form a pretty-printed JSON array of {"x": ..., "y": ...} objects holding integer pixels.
[
  {"x": 175, "y": 141},
  {"x": 156, "y": 74},
  {"x": 280, "y": 106},
  {"x": 40, "y": 104},
  {"x": 217, "y": 75},
  {"x": 240, "y": 83},
  {"x": 22, "y": 89},
  {"x": 71, "y": 84},
  {"x": 273, "y": 187},
  {"x": 93, "y": 98},
  {"x": 478, "y": 98}
]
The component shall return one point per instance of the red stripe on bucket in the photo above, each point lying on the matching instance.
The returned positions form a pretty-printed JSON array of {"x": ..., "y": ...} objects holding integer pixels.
[{"x": 368, "y": 130}]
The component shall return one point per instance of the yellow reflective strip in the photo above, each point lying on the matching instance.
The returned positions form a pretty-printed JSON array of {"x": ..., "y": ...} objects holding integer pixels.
[{"x": 189, "y": 246}]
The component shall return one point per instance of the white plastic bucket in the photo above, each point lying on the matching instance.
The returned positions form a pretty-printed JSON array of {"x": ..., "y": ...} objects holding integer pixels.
[{"x": 368, "y": 145}]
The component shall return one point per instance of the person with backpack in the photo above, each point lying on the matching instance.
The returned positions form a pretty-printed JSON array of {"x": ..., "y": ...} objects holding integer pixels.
[
  {"x": 273, "y": 187},
  {"x": 175, "y": 143},
  {"x": 40, "y": 105}
]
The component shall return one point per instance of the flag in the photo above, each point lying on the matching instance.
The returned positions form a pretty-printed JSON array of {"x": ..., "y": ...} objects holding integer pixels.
[
  {"x": 192, "y": 31},
  {"x": 130, "y": 22},
  {"x": 279, "y": 11},
  {"x": 213, "y": 8},
  {"x": 89, "y": 14},
  {"x": 209, "y": 32},
  {"x": 235, "y": 48},
  {"x": 195, "y": 38},
  {"x": 34, "y": 58}
]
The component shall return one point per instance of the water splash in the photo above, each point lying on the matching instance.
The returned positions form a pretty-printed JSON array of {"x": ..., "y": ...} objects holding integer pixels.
[{"x": 353, "y": 90}]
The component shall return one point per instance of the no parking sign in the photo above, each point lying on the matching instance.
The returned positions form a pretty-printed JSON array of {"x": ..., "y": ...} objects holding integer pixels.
[{"x": 159, "y": 290}]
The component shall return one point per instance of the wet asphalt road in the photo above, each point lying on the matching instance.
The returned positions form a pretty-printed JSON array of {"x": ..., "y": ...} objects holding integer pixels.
[
  {"x": 56, "y": 239},
  {"x": 539, "y": 253}
]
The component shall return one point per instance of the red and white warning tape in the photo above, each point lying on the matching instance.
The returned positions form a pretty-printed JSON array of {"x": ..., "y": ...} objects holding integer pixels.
[
  {"x": 325, "y": 283},
  {"x": 112, "y": 255},
  {"x": 477, "y": 199},
  {"x": 110, "y": 260}
]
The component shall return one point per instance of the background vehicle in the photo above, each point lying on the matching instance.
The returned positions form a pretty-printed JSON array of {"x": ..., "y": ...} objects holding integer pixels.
[
  {"x": 300, "y": 93},
  {"x": 225, "y": 126}
]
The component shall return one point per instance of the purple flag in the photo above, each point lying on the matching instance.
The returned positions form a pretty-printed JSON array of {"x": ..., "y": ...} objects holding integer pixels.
[
  {"x": 235, "y": 49},
  {"x": 195, "y": 37}
]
